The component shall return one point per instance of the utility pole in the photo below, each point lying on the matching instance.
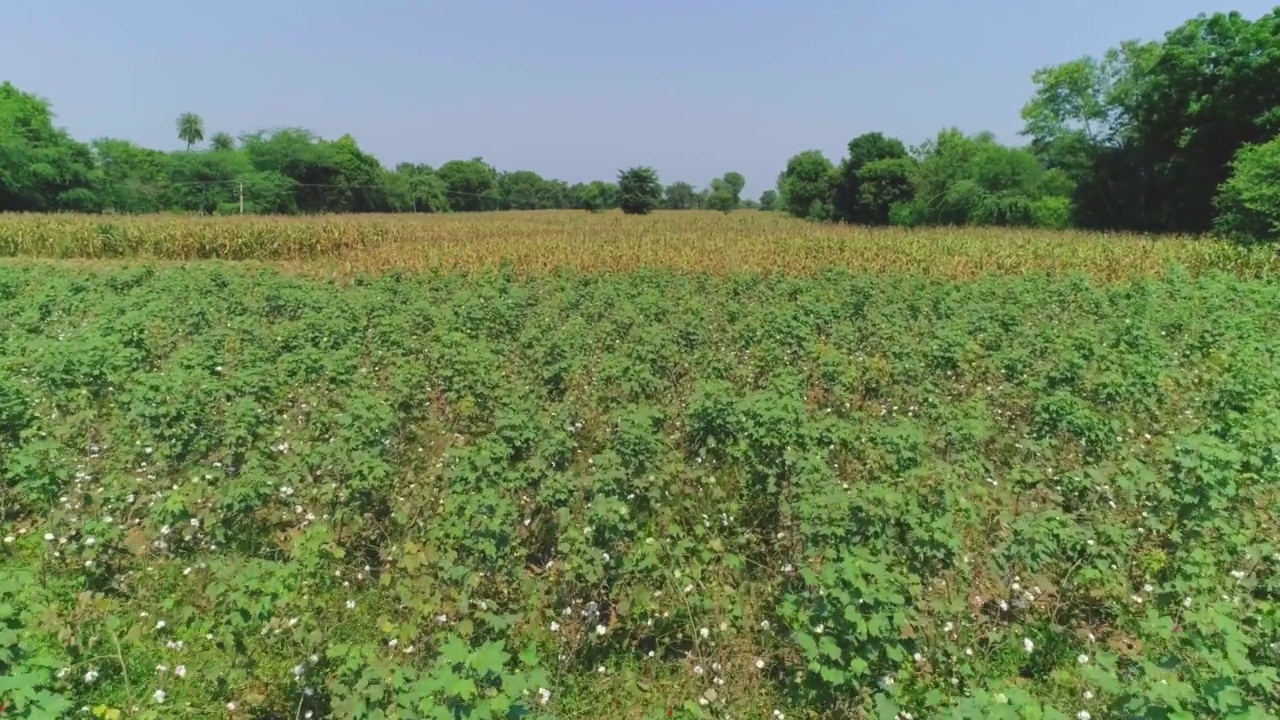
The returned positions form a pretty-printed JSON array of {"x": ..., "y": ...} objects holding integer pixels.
[{"x": 241, "y": 197}]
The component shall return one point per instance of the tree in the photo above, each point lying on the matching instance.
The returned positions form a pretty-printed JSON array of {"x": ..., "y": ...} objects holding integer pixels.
[
  {"x": 805, "y": 186},
  {"x": 863, "y": 150},
  {"x": 1080, "y": 121},
  {"x": 204, "y": 182},
  {"x": 768, "y": 199},
  {"x": 726, "y": 192},
  {"x": 41, "y": 167},
  {"x": 314, "y": 165},
  {"x": 639, "y": 190},
  {"x": 882, "y": 184},
  {"x": 190, "y": 128},
  {"x": 134, "y": 179},
  {"x": 598, "y": 196},
  {"x": 734, "y": 182},
  {"x": 221, "y": 142},
  {"x": 359, "y": 181},
  {"x": 468, "y": 182},
  {"x": 974, "y": 180},
  {"x": 1248, "y": 203},
  {"x": 420, "y": 189},
  {"x": 524, "y": 190},
  {"x": 1209, "y": 89},
  {"x": 679, "y": 196},
  {"x": 1148, "y": 133}
]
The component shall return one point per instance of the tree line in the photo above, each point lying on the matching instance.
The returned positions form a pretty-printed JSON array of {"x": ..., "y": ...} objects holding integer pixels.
[
  {"x": 285, "y": 171},
  {"x": 1174, "y": 135}
]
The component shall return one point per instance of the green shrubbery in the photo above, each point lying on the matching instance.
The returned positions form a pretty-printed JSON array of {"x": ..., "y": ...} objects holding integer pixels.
[{"x": 232, "y": 493}]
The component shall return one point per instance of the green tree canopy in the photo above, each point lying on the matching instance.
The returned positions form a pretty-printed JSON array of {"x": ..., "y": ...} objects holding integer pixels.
[
  {"x": 597, "y": 196},
  {"x": 805, "y": 186},
  {"x": 679, "y": 196},
  {"x": 41, "y": 167},
  {"x": 222, "y": 141},
  {"x": 419, "y": 188},
  {"x": 974, "y": 180},
  {"x": 726, "y": 192},
  {"x": 525, "y": 190},
  {"x": 847, "y": 194},
  {"x": 190, "y": 128},
  {"x": 134, "y": 179},
  {"x": 882, "y": 185},
  {"x": 639, "y": 190},
  {"x": 468, "y": 182},
  {"x": 1248, "y": 203}
]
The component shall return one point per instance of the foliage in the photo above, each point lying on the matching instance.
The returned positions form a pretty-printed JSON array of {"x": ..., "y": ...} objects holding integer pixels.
[
  {"x": 848, "y": 196},
  {"x": 974, "y": 180},
  {"x": 598, "y": 196},
  {"x": 679, "y": 196},
  {"x": 418, "y": 188},
  {"x": 1249, "y": 201},
  {"x": 527, "y": 190},
  {"x": 882, "y": 184},
  {"x": 190, "y": 128},
  {"x": 639, "y": 190},
  {"x": 768, "y": 200},
  {"x": 468, "y": 182},
  {"x": 41, "y": 167},
  {"x": 1149, "y": 131},
  {"x": 726, "y": 192},
  {"x": 222, "y": 141},
  {"x": 229, "y": 491},
  {"x": 805, "y": 187}
]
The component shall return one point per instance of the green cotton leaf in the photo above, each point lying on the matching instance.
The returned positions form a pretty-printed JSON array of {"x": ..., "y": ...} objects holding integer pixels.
[
  {"x": 529, "y": 658},
  {"x": 832, "y": 675},
  {"x": 886, "y": 708},
  {"x": 807, "y": 643},
  {"x": 50, "y": 705},
  {"x": 462, "y": 687},
  {"x": 1225, "y": 697},
  {"x": 490, "y": 658},
  {"x": 500, "y": 704},
  {"x": 454, "y": 651},
  {"x": 829, "y": 647}
]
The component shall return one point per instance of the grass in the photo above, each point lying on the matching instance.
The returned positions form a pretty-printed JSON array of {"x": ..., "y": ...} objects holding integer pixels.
[{"x": 745, "y": 241}]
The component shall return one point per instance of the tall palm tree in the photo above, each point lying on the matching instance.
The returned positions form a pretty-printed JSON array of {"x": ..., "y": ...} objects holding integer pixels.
[{"x": 190, "y": 128}]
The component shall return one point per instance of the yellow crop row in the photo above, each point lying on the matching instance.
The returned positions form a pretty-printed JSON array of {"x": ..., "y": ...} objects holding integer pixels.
[{"x": 550, "y": 240}]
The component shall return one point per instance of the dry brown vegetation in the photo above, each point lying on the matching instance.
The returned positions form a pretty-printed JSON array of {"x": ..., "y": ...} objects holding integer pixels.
[{"x": 549, "y": 240}]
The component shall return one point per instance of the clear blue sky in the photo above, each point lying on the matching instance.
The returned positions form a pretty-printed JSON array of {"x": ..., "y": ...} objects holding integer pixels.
[{"x": 574, "y": 89}]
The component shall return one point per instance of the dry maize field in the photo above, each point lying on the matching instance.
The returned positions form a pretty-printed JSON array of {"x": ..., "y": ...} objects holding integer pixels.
[{"x": 687, "y": 241}]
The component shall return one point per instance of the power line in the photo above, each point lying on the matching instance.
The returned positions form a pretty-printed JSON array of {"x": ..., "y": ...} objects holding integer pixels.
[{"x": 295, "y": 183}]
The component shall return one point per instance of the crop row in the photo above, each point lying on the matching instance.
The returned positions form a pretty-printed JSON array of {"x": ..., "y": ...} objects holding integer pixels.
[
  {"x": 237, "y": 493},
  {"x": 681, "y": 241}
]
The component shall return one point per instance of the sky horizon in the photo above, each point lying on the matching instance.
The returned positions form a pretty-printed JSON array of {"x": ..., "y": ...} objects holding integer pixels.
[{"x": 572, "y": 89}]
